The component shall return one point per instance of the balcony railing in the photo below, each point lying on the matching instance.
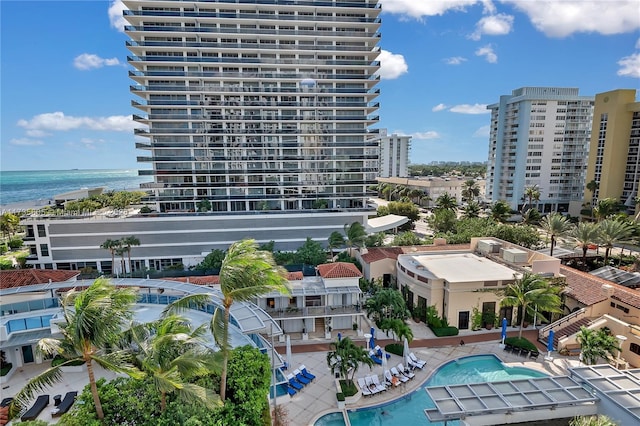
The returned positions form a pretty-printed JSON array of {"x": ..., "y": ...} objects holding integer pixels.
[{"x": 314, "y": 311}]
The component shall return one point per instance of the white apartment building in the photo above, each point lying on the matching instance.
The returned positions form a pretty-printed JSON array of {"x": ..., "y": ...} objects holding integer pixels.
[
  {"x": 394, "y": 156},
  {"x": 539, "y": 136}
]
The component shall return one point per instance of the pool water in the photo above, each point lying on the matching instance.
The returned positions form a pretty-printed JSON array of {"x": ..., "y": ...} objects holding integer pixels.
[{"x": 410, "y": 409}]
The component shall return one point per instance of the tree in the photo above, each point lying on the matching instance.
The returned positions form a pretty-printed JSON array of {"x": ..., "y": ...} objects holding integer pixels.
[
  {"x": 442, "y": 220},
  {"x": 471, "y": 210},
  {"x": 556, "y": 226},
  {"x": 533, "y": 294},
  {"x": 446, "y": 202},
  {"x": 355, "y": 235},
  {"x": 585, "y": 234},
  {"x": 606, "y": 208},
  {"x": 112, "y": 246},
  {"x": 500, "y": 211},
  {"x": 596, "y": 344},
  {"x": 592, "y": 187},
  {"x": 311, "y": 253},
  {"x": 399, "y": 328},
  {"x": 336, "y": 240},
  {"x": 533, "y": 194},
  {"x": 375, "y": 240},
  {"x": 611, "y": 232},
  {"x": 9, "y": 224},
  {"x": 212, "y": 260},
  {"x": 127, "y": 243},
  {"x": 172, "y": 353},
  {"x": 406, "y": 208},
  {"x": 345, "y": 356},
  {"x": 246, "y": 273},
  {"x": 203, "y": 206},
  {"x": 386, "y": 303},
  {"x": 406, "y": 238},
  {"x": 531, "y": 217},
  {"x": 470, "y": 190},
  {"x": 95, "y": 318}
]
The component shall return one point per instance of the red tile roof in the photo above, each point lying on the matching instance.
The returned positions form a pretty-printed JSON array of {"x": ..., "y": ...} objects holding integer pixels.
[
  {"x": 198, "y": 280},
  {"x": 295, "y": 276},
  {"x": 375, "y": 254},
  {"x": 24, "y": 277},
  {"x": 339, "y": 270},
  {"x": 587, "y": 288}
]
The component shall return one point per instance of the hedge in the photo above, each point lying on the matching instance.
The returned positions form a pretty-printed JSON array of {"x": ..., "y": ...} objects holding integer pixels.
[{"x": 445, "y": 331}]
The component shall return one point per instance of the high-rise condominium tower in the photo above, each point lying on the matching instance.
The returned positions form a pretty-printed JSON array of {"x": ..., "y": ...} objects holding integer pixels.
[
  {"x": 394, "y": 155},
  {"x": 539, "y": 137},
  {"x": 258, "y": 105}
]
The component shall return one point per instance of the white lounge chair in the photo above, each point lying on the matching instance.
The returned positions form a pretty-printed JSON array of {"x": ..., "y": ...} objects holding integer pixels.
[
  {"x": 405, "y": 371},
  {"x": 376, "y": 382},
  {"x": 372, "y": 387},
  {"x": 389, "y": 379},
  {"x": 417, "y": 361},
  {"x": 363, "y": 387},
  {"x": 399, "y": 375}
]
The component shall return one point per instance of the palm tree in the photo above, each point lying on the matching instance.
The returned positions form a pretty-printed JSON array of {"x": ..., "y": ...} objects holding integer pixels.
[
  {"x": 596, "y": 344},
  {"x": 592, "y": 187},
  {"x": 355, "y": 235},
  {"x": 605, "y": 208},
  {"x": 470, "y": 190},
  {"x": 112, "y": 246},
  {"x": 446, "y": 202},
  {"x": 386, "y": 303},
  {"x": 531, "y": 217},
  {"x": 471, "y": 210},
  {"x": 532, "y": 193},
  {"x": 95, "y": 318},
  {"x": 415, "y": 195},
  {"x": 171, "y": 353},
  {"x": 336, "y": 240},
  {"x": 585, "y": 234},
  {"x": 533, "y": 295},
  {"x": 345, "y": 356},
  {"x": 557, "y": 226},
  {"x": 246, "y": 273},
  {"x": 611, "y": 232},
  {"x": 500, "y": 211},
  {"x": 127, "y": 243}
]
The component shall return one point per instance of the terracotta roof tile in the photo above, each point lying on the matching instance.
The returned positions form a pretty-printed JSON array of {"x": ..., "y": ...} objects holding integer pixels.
[
  {"x": 295, "y": 276},
  {"x": 24, "y": 277},
  {"x": 339, "y": 270},
  {"x": 198, "y": 280},
  {"x": 375, "y": 254},
  {"x": 587, "y": 288}
]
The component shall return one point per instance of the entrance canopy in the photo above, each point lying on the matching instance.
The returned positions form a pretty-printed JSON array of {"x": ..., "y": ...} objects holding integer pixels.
[{"x": 384, "y": 223}]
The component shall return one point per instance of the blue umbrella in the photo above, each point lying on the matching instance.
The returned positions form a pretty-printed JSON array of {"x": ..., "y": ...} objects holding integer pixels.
[
  {"x": 339, "y": 337},
  {"x": 504, "y": 329},
  {"x": 372, "y": 341},
  {"x": 550, "y": 341}
]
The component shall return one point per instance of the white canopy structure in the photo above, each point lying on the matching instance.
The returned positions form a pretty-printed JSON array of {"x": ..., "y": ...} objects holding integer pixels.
[{"x": 384, "y": 223}]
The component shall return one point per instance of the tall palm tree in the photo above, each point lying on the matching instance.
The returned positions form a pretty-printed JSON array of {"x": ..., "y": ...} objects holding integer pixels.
[
  {"x": 171, "y": 352},
  {"x": 611, "y": 232},
  {"x": 355, "y": 235},
  {"x": 446, "y": 202},
  {"x": 112, "y": 246},
  {"x": 471, "y": 210},
  {"x": 531, "y": 217},
  {"x": 557, "y": 226},
  {"x": 95, "y": 318},
  {"x": 415, "y": 195},
  {"x": 592, "y": 187},
  {"x": 246, "y": 273},
  {"x": 336, "y": 240},
  {"x": 345, "y": 356},
  {"x": 596, "y": 344},
  {"x": 532, "y": 193},
  {"x": 470, "y": 190},
  {"x": 127, "y": 243},
  {"x": 606, "y": 208},
  {"x": 500, "y": 211},
  {"x": 585, "y": 234},
  {"x": 533, "y": 295}
]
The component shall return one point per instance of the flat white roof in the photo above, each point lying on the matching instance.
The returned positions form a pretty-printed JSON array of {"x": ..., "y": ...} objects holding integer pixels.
[
  {"x": 463, "y": 267},
  {"x": 384, "y": 223}
]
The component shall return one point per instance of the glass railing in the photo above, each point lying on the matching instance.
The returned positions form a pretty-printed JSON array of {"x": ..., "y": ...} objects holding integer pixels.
[
  {"x": 29, "y": 306},
  {"x": 24, "y": 324}
]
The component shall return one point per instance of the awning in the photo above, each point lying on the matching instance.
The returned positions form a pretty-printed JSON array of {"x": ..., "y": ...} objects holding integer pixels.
[{"x": 384, "y": 223}]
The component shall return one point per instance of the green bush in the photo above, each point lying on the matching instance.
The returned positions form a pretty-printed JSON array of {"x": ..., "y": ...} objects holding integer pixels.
[
  {"x": 6, "y": 264},
  {"x": 445, "y": 331},
  {"x": 34, "y": 423},
  {"x": 15, "y": 243},
  {"x": 348, "y": 387},
  {"x": 340, "y": 396},
  {"x": 6, "y": 367},
  {"x": 520, "y": 342},
  {"x": 394, "y": 348},
  {"x": 3, "y": 248}
]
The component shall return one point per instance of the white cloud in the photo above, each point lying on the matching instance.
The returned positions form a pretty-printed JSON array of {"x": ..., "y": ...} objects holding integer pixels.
[
  {"x": 630, "y": 66},
  {"x": 87, "y": 61},
  {"x": 425, "y": 135},
  {"x": 454, "y": 60},
  {"x": 470, "y": 109},
  {"x": 35, "y": 133},
  {"x": 391, "y": 65},
  {"x": 57, "y": 121},
  {"x": 115, "y": 15},
  {"x": 494, "y": 25},
  {"x": 488, "y": 53},
  {"x": 482, "y": 132},
  {"x": 420, "y": 8},
  {"x": 439, "y": 107},
  {"x": 638, "y": 44},
  {"x": 26, "y": 142},
  {"x": 561, "y": 18}
]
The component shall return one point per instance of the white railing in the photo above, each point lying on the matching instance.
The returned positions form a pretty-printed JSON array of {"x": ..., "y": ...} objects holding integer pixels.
[{"x": 571, "y": 318}]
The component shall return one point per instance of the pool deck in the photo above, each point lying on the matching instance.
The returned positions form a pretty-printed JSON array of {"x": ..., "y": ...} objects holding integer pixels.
[{"x": 319, "y": 397}]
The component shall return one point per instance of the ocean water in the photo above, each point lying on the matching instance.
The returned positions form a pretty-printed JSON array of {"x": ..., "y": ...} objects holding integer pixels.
[{"x": 19, "y": 186}]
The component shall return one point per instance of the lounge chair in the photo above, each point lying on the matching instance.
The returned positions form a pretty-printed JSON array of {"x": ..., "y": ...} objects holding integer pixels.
[
  {"x": 391, "y": 380},
  {"x": 6, "y": 401},
  {"x": 65, "y": 405},
  {"x": 372, "y": 386},
  {"x": 305, "y": 373},
  {"x": 420, "y": 363},
  {"x": 397, "y": 374},
  {"x": 301, "y": 378},
  {"x": 405, "y": 371},
  {"x": 376, "y": 382},
  {"x": 375, "y": 358},
  {"x": 534, "y": 354},
  {"x": 37, "y": 407},
  {"x": 291, "y": 390},
  {"x": 364, "y": 388},
  {"x": 378, "y": 350},
  {"x": 293, "y": 383}
]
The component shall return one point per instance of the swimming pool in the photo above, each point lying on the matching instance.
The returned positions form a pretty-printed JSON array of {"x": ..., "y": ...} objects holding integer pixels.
[{"x": 410, "y": 409}]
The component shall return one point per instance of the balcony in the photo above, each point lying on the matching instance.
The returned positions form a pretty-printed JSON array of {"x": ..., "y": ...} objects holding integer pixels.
[{"x": 314, "y": 311}]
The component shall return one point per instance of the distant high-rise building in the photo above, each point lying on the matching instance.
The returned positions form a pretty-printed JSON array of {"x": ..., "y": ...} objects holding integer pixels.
[
  {"x": 614, "y": 158},
  {"x": 394, "y": 156},
  {"x": 539, "y": 136},
  {"x": 255, "y": 106}
]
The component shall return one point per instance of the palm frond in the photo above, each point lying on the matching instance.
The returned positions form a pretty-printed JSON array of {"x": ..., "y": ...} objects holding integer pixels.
[
  {"x": 191, "y": 392},
  {"x": 37, "y": 384},
  {"x": 193, "y": 301},
  {"x": 217, "y": 328},
  {"x": 118, "y": 362}
]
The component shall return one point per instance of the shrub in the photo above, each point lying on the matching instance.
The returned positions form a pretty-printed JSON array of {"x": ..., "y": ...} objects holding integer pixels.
[
  {"x": 348, "y": 387},
  {"x": 340, "y": 396},
  {"x": 520, "y": 342},
  {"x": 3, "y": 248},
  {"x": 6, "y": 264},
  {"x": 394, "y": 348},
  {"x": 15, "y": 243},
  {"x": 445, "y": 331}
]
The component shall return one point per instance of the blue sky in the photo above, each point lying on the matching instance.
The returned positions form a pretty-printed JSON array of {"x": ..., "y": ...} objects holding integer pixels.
[{"x": 65, "y": 91}]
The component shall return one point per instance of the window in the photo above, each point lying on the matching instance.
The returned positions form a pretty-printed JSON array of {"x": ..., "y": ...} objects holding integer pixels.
[
  {"x": 271, "y": 302},
  {"x": 44, "y": 249},
  {"x": 635, "y": 348},
  {"x": 42, "y": 232},
  {"x": 293, "y": 302}
]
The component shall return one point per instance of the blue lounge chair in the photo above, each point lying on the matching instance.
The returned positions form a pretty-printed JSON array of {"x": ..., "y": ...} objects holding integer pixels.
[
  {"x": 375, "y": 359},
  {"x": 305, "y": 373},
  {"x": 293, "y": 383},
  {"x": 37, "y": 407},
  {"x": 301, "y": 378},
  {"x": 378, "y": 350},
  {"x": 291, "y": 390}
]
